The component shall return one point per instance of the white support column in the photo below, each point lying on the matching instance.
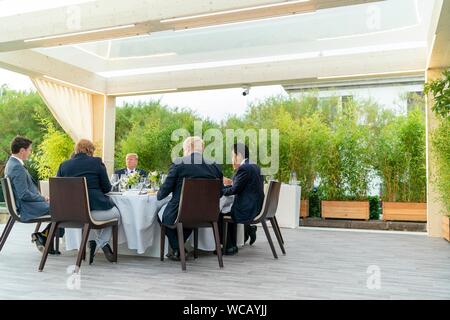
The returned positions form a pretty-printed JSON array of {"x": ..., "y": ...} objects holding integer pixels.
[{"x": 109, "y": 131}]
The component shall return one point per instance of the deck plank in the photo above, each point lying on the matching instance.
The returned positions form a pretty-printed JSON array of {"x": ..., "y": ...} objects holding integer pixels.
[{"x": 320, "y": 264}]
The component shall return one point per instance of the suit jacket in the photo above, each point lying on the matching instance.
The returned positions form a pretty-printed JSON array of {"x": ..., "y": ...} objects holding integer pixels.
[
  {"x": 192, "y": 166},
  {"x": 141, "y": 172},
  {"x": 29, "y": 202},
  {"x": 248, "y": 189},
  {"x": 93, "y": 169}
]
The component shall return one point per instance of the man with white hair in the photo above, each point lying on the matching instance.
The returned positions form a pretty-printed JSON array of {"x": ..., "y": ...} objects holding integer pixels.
[{"x": 191, "y": 165}]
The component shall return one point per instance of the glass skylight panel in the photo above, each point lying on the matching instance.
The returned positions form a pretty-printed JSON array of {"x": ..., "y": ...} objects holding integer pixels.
[{"x": 365, "y": 28}]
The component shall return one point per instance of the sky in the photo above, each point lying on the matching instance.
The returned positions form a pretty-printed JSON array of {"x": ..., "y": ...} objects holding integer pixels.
[{"x": 213, "y": 104}]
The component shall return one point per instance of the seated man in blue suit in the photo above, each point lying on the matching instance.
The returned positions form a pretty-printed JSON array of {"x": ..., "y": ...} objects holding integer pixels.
[
  {"x": 192, "y": 165},
  {"x": 29, "y": 202},
  {"x": 131, "y": 160},
  {"x": 247, "y": 186}
]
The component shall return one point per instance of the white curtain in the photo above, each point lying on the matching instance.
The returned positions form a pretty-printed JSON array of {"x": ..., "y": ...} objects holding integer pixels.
[{"x": 72, "y": 108}]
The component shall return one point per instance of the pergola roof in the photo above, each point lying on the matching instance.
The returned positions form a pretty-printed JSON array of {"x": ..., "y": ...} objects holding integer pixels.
[{"x": 119, "y": 47}]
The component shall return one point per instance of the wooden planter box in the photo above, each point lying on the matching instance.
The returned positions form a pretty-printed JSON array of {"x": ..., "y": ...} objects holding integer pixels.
[
  {"x": 446, "y": 228},
  {"x": 304, "y": 208},
  {"x": 358, "y": 210},
  {"x": 404, "y": 211}
]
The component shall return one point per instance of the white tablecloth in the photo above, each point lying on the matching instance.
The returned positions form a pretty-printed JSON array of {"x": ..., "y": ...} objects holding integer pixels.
[{"x": 139, "y": 230}]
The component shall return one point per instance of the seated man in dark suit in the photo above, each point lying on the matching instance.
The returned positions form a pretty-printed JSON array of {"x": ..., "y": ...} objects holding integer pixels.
[
  {"x": 131, "y": 160},
  {"x": 247, "y": 186},
  {"x": 84, "y": 164},
  {"x": 192, "y": 165},
  {"x": 29, "y": 202}
]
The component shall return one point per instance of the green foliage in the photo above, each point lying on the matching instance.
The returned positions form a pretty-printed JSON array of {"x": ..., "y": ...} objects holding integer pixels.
[
  {"x": 440, "y": 89},
  {"x": 334, "y": 147},
  {"x": 400, "y": 158},
  {"x": 345, "y": 166},
  {"x": 20, "y": 112},
  {"x": 55, "y": 148},
  {"x": 314, "y": 198},
  {"x": 441, "y": 146},
  {"x": 302, "y": 143},
  {"x": 146, "y": 129},
  {"x": 133, "y": 179},
  {"x": 374, "y": 207}
]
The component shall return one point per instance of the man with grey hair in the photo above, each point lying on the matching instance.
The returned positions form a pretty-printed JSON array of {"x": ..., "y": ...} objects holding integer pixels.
[{"x": 191, "y": 165}]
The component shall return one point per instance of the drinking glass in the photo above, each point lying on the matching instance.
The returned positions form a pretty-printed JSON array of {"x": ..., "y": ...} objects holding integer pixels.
[
  {"x": 147, "y": 183},
  {"x": 123, "y": 181},
  {"x": 114, "y": 181}
]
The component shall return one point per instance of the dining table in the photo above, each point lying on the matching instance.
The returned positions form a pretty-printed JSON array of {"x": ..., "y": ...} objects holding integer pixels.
[{"x": 139, "y": 229}]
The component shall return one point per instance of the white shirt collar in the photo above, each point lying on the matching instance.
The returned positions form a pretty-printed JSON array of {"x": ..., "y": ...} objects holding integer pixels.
[
  {"x": 131, "y": 170},
  {"x": 243, "y": 161},
  {"x": 20, "y": 160}
]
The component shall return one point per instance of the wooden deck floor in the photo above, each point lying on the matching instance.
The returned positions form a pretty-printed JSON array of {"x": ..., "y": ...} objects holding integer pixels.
[{"x": 320, "y": 264}]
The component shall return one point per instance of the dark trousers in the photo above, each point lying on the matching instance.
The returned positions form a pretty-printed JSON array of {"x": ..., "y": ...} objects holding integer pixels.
[
  {"x": 47, "y": 230},
  {"x": 231, "y": 234},
  {"x": 173, "y": 237}
]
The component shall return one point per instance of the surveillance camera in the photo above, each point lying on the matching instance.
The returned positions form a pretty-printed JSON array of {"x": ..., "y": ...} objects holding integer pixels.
[{"x": 246, "y": 91}]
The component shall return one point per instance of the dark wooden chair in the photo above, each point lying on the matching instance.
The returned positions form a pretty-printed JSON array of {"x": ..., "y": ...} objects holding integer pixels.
[
  {"x": 199, "y": 208},
  {"x": 14, "y": 215},
  {"x": 69, "y": 207},
  {"x": 268, "y": 211}
]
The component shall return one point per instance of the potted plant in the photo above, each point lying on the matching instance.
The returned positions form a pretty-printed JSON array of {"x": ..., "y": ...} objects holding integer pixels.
[
  {"x": 399, "y": 160},
  {"x": 302, "y": 142},
  {"x": 345, "y": 172}
]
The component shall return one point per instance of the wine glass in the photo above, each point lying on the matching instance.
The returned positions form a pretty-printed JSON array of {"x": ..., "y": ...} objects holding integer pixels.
[
  {"x": 115, "y": 181},
  {"x": 147, "y": 183},
  {"x": 123, "y": 181}
]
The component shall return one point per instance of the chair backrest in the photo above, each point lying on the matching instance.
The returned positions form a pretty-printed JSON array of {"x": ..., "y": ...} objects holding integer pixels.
[
  {"x": 10, "y": 200},
  {"x": 270, "y": 203},
  {"x": 199, "y": 202},
  {"x": 69, "y": 200}
]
